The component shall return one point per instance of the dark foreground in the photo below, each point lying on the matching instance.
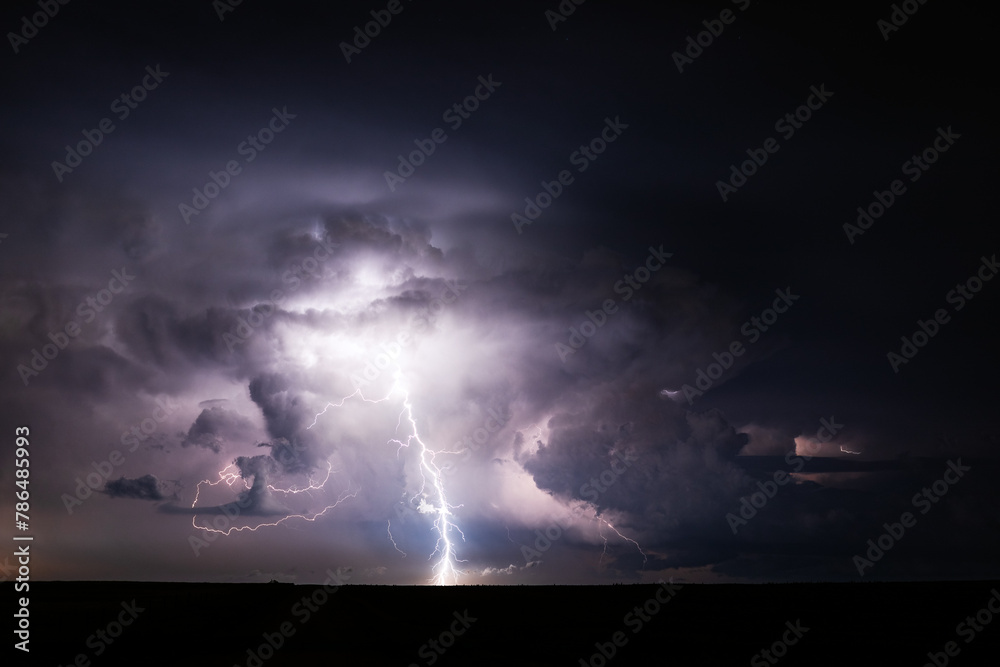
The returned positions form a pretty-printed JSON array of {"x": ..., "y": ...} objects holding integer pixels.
[{"x": 125, "y": 623}]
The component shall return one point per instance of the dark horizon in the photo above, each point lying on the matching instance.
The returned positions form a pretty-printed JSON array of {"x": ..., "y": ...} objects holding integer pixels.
[{"x": 250, "y": 626}]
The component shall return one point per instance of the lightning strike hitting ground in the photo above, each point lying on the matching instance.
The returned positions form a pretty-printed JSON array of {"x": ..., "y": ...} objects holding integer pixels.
[
  {"x": 618, "y": 533},
  {"x": 446, "y": 569},
  {"x": 431, "y": 498}
]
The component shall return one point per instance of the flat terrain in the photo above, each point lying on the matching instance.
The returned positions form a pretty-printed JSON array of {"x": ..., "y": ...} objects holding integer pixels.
[{"x": 228, "y": 624}]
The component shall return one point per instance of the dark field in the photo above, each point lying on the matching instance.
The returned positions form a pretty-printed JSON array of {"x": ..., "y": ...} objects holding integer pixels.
[{"x": 226, "y": 624}]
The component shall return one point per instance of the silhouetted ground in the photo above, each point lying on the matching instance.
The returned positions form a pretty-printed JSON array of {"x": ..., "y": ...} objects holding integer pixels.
[{"x": 216, "y": 624}]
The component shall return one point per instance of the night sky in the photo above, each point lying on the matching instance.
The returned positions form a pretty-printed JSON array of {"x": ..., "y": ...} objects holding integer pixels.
[{"x": 500, "y": 295}]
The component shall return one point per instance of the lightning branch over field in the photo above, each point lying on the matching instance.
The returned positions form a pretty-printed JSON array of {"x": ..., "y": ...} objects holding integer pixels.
[{"x": 231, "y": 477}]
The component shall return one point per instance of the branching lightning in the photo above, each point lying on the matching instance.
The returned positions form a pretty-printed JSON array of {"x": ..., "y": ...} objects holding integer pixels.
[
  {"x": 432, "y": 496},
  {"x": 607, "y": 523},
  {"x": 230, "y": 477}
]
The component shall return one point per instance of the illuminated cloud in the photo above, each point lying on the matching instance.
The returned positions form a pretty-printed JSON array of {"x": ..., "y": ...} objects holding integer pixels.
[{"x": 308, "y": 311}]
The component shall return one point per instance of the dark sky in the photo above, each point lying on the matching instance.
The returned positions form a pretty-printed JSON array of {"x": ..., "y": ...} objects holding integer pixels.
[{"x": 212, "y": 258}]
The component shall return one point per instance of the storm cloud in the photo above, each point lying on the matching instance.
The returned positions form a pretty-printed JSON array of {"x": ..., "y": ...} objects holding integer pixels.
[{"x": 353, "y": 368}]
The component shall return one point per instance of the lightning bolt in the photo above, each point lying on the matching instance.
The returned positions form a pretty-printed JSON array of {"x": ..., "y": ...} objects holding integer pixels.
[
  {"x": 312, "y": 485},
  {"x": 432, "y": 495},
  {"x": 619, "y": 534},
  {"x": 539, "y": 439},
  {"x": 224, "y": 476},
  {"x": 388, "y": 530},
  {"x": 307, "y": 517},
  {"x": 357, "y": 392},
  {"x": 230, "y": 477}
]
